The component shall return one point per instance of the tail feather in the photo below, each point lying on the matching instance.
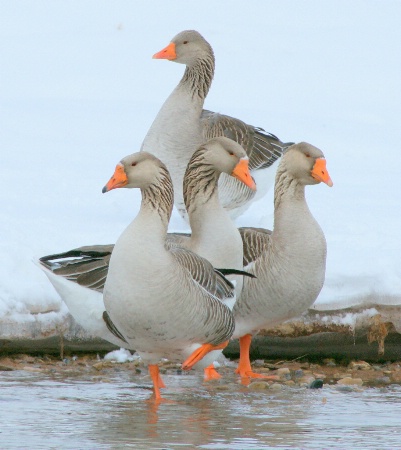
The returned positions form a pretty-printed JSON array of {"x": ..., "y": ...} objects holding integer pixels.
[{"x": 235, "y": 272}]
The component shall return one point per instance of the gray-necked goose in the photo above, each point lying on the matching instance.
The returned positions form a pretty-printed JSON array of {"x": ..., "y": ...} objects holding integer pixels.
[
  {"x": 166, "y": 302},
  {"x": 289, "y": 262},
  {"x": 182, "y": 125}
]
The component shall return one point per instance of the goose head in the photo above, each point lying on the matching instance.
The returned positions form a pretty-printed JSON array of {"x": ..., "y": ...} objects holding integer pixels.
[
  {"x": 307, "y": 164},
  {"x": 139, "y": 170},
  {"x": 186, "y": 48},
  {"x": 226, "y": 156}
]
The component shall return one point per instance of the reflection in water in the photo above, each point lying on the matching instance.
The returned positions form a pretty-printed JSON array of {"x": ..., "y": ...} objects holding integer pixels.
[{"x": 38, "y": 411}]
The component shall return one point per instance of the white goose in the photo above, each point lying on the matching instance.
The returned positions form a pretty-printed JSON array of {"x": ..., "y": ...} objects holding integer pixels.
[
  {"x": 214, "y": 236},
  {"x": 182, "y": 125},
  {"x": 166, "y": 302},
  {"x": 289, "y": 262}
]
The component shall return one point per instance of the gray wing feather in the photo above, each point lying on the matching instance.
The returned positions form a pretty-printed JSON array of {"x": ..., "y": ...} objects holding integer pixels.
[
  {"x": 216, "y": 288},
  {"x": 204, "y": 273},
  {"x": 255, "y": 242},
  {"x": 86, "y": 266},
  {"x": 262, "y": 148}
]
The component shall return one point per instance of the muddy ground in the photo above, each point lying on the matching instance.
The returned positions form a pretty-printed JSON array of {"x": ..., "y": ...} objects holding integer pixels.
[{"x": 291, "y": 373}]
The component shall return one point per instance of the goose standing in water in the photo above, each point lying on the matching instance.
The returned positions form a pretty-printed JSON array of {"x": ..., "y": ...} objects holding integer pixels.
[
  {"x": 214, "y": 234},
  {"x": 166, "y": 302},
  {"x": 182, "y": 125},
  {"x": 289, "y": 262}
]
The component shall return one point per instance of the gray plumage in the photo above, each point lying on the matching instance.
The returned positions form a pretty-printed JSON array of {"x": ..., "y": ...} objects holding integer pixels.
[
  {"x": 164, "y": 301},
  {"x": 289, "y": 262}
]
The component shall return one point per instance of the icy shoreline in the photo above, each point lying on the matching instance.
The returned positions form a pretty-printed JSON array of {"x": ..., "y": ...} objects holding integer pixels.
[{"x": 367, "y": 331}]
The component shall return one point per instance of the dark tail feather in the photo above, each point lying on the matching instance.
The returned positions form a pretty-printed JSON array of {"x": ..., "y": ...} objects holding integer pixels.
[
  {"x": 95, "y": 251},
  {"x": 112, "y": 328},
  {"x": 235, "y": 272}
]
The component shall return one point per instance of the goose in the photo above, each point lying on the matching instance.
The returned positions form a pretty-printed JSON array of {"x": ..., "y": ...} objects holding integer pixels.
[
  {"x": 165, "y": 301},
  {"x": 182, "y": 125},
  {"x": 79, "y": 274},
  {"x": 214, "y": 234},
  {"x": 289, "y": 262}
]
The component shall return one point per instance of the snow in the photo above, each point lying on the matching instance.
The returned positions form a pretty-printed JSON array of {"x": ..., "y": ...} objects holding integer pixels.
[
  {"x": 349, "y": 319},
  {"x": 79, "y": 90},
  {"x": 121, "y": 356}
]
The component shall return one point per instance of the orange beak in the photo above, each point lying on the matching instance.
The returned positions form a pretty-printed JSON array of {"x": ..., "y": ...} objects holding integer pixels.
[
  {"x": 241, "y": 172},
  {"x": 319, "y": 172},
  {"x": 167, "y": 53},
  {"x": 118, "y": 180}
]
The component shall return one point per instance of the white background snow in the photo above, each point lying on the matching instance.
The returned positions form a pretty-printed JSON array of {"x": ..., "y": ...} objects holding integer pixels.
[{"x": 79, "y": 90}]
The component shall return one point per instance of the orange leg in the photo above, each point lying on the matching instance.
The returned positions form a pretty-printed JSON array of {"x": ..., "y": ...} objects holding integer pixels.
[
  {"x": 244, "y": 367},
  {"x": 157, "y": 380},
  {"x": 202, "y": 351},
  {"x": 210, "y": 373}
]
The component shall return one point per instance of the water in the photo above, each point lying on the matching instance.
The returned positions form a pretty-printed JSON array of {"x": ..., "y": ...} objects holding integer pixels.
[{"x": 84, "y": 411}]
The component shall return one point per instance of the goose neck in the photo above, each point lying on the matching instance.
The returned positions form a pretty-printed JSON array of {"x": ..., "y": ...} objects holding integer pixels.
[
  {"x": 200, "y": 185},
  {"x": 209, "y": 221},
  {"x": 293, "y": 220},
  {"x": 157, "y": 202},
  {"x": 287, "y": 190},
  {"x": 198, "y": 77}
]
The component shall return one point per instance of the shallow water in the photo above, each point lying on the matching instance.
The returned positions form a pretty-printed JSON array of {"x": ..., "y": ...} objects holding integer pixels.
[{"x": 82, "y": 411}]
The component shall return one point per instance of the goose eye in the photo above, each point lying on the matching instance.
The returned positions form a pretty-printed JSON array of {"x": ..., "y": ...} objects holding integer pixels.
[
  {"x": 307, "y": 155},
  {"x": 133, "y": 164},
  {"x": 185, "y": 42},
  {"x": 231, "y": 154}
]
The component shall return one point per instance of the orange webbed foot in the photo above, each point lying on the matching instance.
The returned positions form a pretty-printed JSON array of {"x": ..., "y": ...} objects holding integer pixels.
[
  {"x": 244, "y": 369},
  {"x": 210, "y": 373},
  {"x": 199, "y": 353}
]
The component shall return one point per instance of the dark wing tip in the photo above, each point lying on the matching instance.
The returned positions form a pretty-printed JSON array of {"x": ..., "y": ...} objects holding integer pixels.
[
  {"x": 111, "y": 327},
  {"x": 236, "y": 272}
]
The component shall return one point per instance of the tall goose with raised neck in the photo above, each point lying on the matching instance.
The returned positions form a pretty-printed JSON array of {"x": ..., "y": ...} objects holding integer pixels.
[
  {"x": 290, "y": 262},
  {"x": 182, "y": 125},
  {"x": 165, "y": 302}
]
